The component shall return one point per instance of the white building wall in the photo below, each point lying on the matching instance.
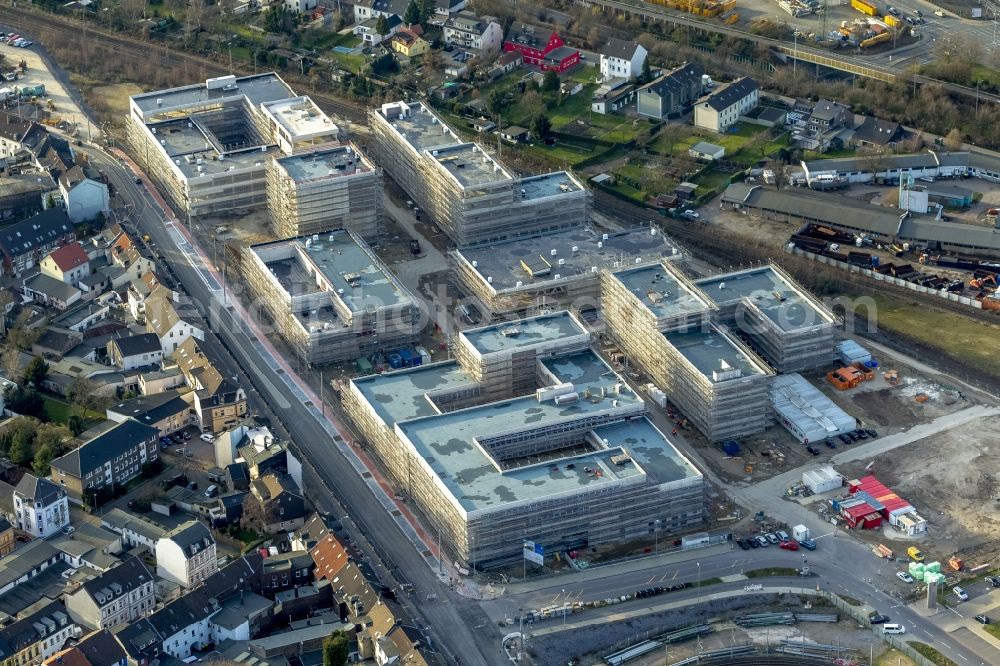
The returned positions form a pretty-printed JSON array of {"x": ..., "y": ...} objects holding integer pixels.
[
  {"x": 41, "y": 521},
  {"x": 86, "y": 200}
]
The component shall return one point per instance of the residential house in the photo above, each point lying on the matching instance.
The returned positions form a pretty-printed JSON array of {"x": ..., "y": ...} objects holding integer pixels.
[
  {"x": 158, "y": 381},
  {"x": 15, "y": 136},
  {"x": 135, "y": 351},
  {"x": 468, "y": 30},
  {"x": 386, "y": 640},
  {"x": 50, "y": 292},
  {"x": 409, "y": 41},
  {"x": 84, "y": 194},
  {"x": 171, "y": 327},
  {"x": 505, "y": 64},
  {"x": 367, "y": 30},
  {"x": 89, "y": 547},
  {"x": 135, "y": 530},
  {"x": 141, "y": 288},
  {"x": 541, "y": 47},
  {"x": 286, "y": 571},
  {"x": 829, "y": 125},
  {"x": 7, "y": 541},
  {"x": 23, "y": 244},
  {"x": 671, "y": 94},
  {"x": 300, "y": 6},
  {"x": 218, "y": 401},
  {"x": 330, "y": 557},
  {"x": 68, "y": 264},
  {"x": 371, "y": 9},
  {"x": 228, "y": 444},
  {"x": 109, "y": 455},
  {"x": 32, "y": 560},
  {"x": 515, "y": 134},
  {"x": 262, "y": 454},
  {"x": 704, "y": 150},
  {"x": 99, "y": 648},
  {"x": 23, "y": 194},
  {"x": 446, "y": 8},
  {"x": 612, "y": 96},
  {"x": 724, "y": 106},
  {"x": 281, "y": 500},
  {"x": 122, "y": 594},
  {"x": 37, "y": 636},
  {"x": 168, "y": 412},
  {"x": 187, "y": 554},
  {"x": 622, "y": 59},
  {"x": 871, "y": 132},
  {"x": 40, "y": 507}
]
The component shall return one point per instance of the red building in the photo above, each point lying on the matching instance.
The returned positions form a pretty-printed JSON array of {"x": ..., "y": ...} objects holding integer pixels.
[{"x": 541, "y": 47}]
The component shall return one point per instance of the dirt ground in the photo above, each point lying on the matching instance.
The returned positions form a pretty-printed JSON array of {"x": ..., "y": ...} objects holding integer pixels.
[{"x": 952, "y": 479}]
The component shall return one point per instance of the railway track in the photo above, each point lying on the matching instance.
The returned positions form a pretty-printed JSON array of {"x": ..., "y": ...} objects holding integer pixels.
[{"x": 45, "y": 27}]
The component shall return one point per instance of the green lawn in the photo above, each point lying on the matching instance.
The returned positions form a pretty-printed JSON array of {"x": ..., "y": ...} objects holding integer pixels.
[
  {"x": 712, "y": 180},
  {"x": 630, "y": 192},
  {"x": 992, "y": 630},
  {"x": 59, "y": 412},
  {"x": 571, "y": 107},
  {"x": 560, "y": 154},
  {"x": 931, "y": 653}
]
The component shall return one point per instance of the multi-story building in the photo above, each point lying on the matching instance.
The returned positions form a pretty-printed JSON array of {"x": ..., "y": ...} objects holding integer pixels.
[
  {"x": 786, "y": 324},
  {"x": 334, "y": 187},
  {"x": 23, "y": 244},
  {"x": 187, "y": 554},
  {"x": 670, "y": 95},
  {"x": 68, "y": 264},
  {"x": 135, "y": 351},
  {"x": 527, "y": 436},
  {"x": 468, "y": 30},
  {"x": 40, "y": 507},
  {"x": 7, "y": 540},
  {"x": 168, "y": 412},
  {"x": 662, "y": 322},
  {"x": 469, "y": 193},
  {"x": 36, "y": 637},
  {"x": 329, "y": 296},
  {"x": 171, "y": 326},
  {"x": 208, "y": 145},
  {"x": 560, "y": 269},
  {"x": 110, "y": 454},
  {"x": 122, "y": 594},
  {"x": 541, "y": 47},
  {"x": 622, "y": 59},
  {"x": 218, "y": 402},
  {"x": 722, "y": 109}
]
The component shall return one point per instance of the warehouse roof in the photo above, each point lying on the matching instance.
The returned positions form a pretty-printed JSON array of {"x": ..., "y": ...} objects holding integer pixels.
[
  {"x": 950, "y": 233},
  {"x": 773, "y": 293},
  {"x": 507, "y": 336},
  {"x": 581, "y": 249}
]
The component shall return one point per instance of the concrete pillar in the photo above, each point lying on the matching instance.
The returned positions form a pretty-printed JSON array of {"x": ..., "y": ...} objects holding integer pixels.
[{"x": 931, "y": 596}]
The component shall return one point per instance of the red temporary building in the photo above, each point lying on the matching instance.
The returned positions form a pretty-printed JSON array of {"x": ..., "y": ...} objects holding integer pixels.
[
  {"x": 862, "y": 516},
  {"x": 885, "y": 501},
  {"x": 540, "y": 47}
]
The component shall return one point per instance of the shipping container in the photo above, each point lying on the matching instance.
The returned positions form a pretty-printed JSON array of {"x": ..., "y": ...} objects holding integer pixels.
[
  {"x": 409, "y": 358},
  {"x": 395, "y": 361},
  {"x": 364, "y": 366},
  {"x": 891, "y": 21},
  {"x": 865, "y": 7},
  {"x": 800, "y": 532}
]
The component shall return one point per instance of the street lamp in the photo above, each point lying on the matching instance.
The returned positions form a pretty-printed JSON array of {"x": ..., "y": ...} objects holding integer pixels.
[
  {"x": 656, "y": 537},
  {"x": 699, "y": 581}
]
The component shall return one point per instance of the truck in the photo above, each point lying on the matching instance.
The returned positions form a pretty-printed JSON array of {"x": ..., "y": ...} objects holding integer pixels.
[
  {"x": 800, "y": 532},
  {"x": 31, "y": 91},
  {"x": 865, "y": 7},
  {"x": 891, "y": 21},
  {"x": 914, "y": 554}
]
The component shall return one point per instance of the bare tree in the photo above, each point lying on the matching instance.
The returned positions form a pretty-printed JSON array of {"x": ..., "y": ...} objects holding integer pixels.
[
  {"x": 253, "y": 514},
  {"x": 11, "y": 361},
  {"x": 954, "y": 139}
]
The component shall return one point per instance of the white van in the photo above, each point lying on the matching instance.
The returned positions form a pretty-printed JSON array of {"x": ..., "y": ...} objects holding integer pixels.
[{"x": 893, "y": 629}]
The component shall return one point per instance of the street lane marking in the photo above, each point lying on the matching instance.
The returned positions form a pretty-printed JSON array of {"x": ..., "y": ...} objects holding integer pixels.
[
  {"x": 674, "y": 577},
  {"x": 962, "y": 656}
]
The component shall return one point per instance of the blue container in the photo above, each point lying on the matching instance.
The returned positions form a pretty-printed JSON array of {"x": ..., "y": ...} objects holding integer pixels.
[
  {"x": 395, "y": 361},
  {"x": 407, "y": 356},
  {"x": 875, "y": 261},
  {"x": 731, "y": 448}
]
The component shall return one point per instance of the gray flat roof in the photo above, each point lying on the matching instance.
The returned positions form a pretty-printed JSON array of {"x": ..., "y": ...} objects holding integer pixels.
[
  {"x": 711, "y": 351},
  {"x": 324, "y": 164},
  {"x": 445, "y": 441},
  {"x": 547, "y": 185},
  {"x": 650, "y": 448},
  {"x": 781, "y": 301},
  {"x": 401, "y": 396},
  {"x": 423, "y": 130},
  {"x": 663, "y": 295},
  {"x": 364, "y": 280},
  {"x": 186, "y": 145},
  {"x": 258, "y": 88},
  {"x": 469, "y": 165},
  {"x": 502, "y": 261},
  {"x": 523, "y": 333}
]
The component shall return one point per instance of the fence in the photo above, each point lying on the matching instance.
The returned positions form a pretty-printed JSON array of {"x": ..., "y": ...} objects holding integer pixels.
[
  {"x": 879, "y": 277},
  {"x": 898, "y": 642}
]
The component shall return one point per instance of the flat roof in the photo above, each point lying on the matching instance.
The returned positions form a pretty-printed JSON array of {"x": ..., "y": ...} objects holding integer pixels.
[
  {"x": 365, "y": 281},
  {"x": 402, "y": 396},
  {"x": 445, "y": 441},
  {"x": 507, "y": 336},
  {"x": 258, "y": 89},
  {"x": 781, "y": 301},
  {"x": 324, "y": 164},
  {"x": 711, "y": 351},
  {"x": 650, "y": 448},
  {"x": 469, "y": 165},
  {"x": 422, "y": 129},
  {"x": 299, "y": 116},
  {"x": 660, "y": 292},
  {"x": 185, "y": 144},
  {"x": 548, "y": 185},
  {"x": 502, "y": 261}
]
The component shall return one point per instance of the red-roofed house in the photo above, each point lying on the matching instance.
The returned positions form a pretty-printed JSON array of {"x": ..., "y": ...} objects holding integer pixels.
[
  {"x": 330, "y": 557},
  {"x": 68, "y": 264},
  {"x": 540, "y": 47}
]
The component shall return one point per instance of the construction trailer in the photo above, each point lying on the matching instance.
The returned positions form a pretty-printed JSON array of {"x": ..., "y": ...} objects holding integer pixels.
[
  {"x": 790, "y": 328},
  {"x": 560, "y": 269},
  {"x": 662, "y": 322},
  {"x": 207, "y": 146},
  {"x": 330, "y": 298},
  {"x": 460, "y": 186},
  {"x": 333, "y": 187},
  {"x": 572, "y": 463}
]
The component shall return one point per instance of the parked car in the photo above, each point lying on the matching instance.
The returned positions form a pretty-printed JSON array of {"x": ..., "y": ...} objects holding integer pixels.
[
  {"x": 790, "y": 545},
  {"x": 917, "y": 12},
  {"x": 813, "y": 450},
  {"x": 69, "y": 529},
  {"x": 782, "y": 534},
  {"x": 844, "y": 438},
  {"x": 753, "y": 542},
  {"x": 938, "y": 12},
  {"x": 690, "y": 214},
  {"x": 743, "y": 544},
  {"x": 960, "y": 593},
  {"x": 762, "y": 542},
  {"x": 830, "y": 443},
  {"x": 207, "y": 437},
  {"x": 808, "y": 544},
  {"x": 186, "y": 435},
  {"x": 903, "y": 576},
  {"x": 854, "y": 435},
  {"x": 137, "y": 180},
  {"x": 178, "y": 439},
  {"x": 893, "y": 629},
  {"x": 892, "y": 10},
  {"x": 993, "y": 580},
  {"x": 872, "y": 433},
  {"x": 772, "y": 538},
  {"x": 877, "y": 618},
  {"x": 211, "y": 491},
  {"x": 862, "y": 433},
  {"x": 983, "y": 619}
]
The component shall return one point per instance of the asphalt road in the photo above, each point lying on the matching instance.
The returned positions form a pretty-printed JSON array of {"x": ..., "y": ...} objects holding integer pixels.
[{"x": 446, "y": 619}]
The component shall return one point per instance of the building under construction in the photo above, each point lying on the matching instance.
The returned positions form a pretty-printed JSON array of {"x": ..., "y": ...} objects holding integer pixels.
[
  {"x": 786, "y": 324},
  {"x": 662, "y": 322},
  {"x": 466, "y": 191},
  {"x": 334, "y": 187},
  {"x": 556, "y": 270},
  {"x": 208, "y": 145},
  {"x": 330, "y": 298},
  {"x": 527, "y": 436}
]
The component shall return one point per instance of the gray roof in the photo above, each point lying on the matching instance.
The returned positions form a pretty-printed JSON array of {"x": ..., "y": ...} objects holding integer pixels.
[
  {"x": 51, "y": 287},
  {"x": 192, "y": 537},
  {"x": 151, "y": 409},
  {"x": 26, "y": 559},
  {"x": 34, "y": 489},
  {"x": 678, "y": 78},
  {"x": 106, "y": 446},
  {"x": 101, "y": 649},
  {"x": 951, "y": 233},
  {"x": 877, "y": 131},
  {"x": 118, "y": 581},
  {"x": 32, "y": 629},
  {"x": 620, "y": 48},
  {"x": 827, "y": 110},
  {"x": 706, "y": 147},
  {"x": 119, "y": 520},
  {"x": 725, "y": 97},
  {"x": 144, "y": 343},
  {"x": 23, "y": 237},
  {"x": 237, "y": 610}
]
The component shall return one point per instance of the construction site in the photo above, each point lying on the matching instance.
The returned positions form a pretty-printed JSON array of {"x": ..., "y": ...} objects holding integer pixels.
[
  {"x": 663, "y": 323},
  {"x": 561, "y": 269},
  {"x": 329, "y": 297},
  {"x": 470, "y": 194},
  {"x": 528, "y": 435},
  {"x": 334, "y": 187}
]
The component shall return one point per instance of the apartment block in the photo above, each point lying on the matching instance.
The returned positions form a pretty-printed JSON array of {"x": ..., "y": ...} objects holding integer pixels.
[
  {"x": 123, "y": 594},
  {"x": 469, "y": 193},
  {"x": 330, "y": 297},
  {"x": 107, "y": 455}
]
